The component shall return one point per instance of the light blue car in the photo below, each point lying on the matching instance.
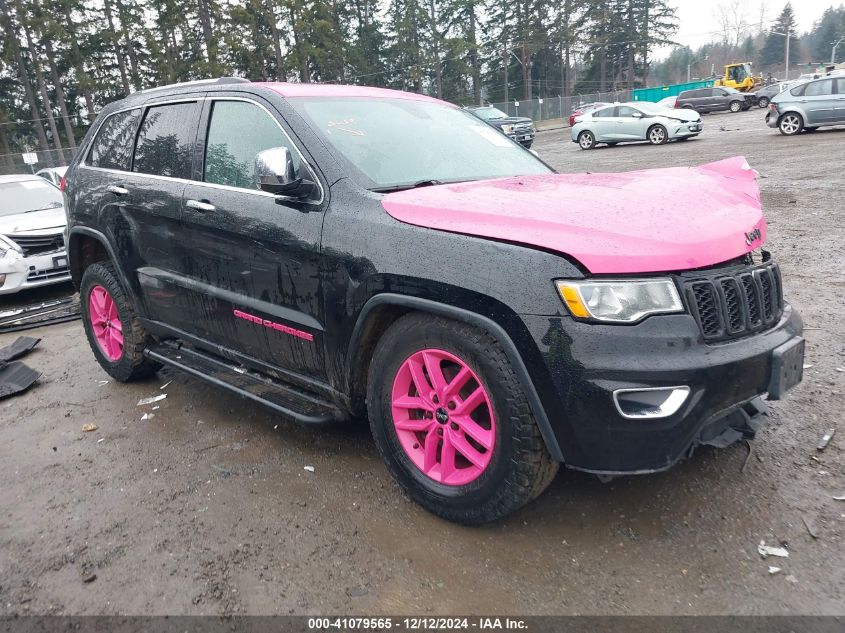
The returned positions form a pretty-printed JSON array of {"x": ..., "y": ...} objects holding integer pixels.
[
  {"x": 635, "y": 121},
  {"x": 809, "y": 106}
]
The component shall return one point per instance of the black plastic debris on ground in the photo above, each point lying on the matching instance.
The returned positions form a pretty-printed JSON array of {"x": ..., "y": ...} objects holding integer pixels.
[
  {"x": 15, "y": 378},
  {"x": 40, "y": 314},
  {"x": 23, "y": 345}
]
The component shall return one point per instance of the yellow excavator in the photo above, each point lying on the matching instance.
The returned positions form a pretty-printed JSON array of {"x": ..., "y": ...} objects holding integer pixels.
[{"x": 739, "y": 76}]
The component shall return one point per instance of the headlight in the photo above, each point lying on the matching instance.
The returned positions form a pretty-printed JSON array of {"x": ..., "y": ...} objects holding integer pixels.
[
  {"x": 507, "y": 129},
  {"x": 619, "y": 301},
  {"x": 7, "y": 245}
]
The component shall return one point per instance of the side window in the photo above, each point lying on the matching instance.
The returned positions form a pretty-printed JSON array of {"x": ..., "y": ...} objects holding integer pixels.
[
  {"x": 165, "y": 141},
  {"x": 627, "y": 111},
  {"x": 840, "y": 86},
  {"x": 717, "y": 92},
  {"x": 798, "y": 91},
  {"x": 819, "y": 88},
  {"x": 604, "y": 112},
  {"x": 237, "y": 132},
  {"x": 112, "y": 147}
]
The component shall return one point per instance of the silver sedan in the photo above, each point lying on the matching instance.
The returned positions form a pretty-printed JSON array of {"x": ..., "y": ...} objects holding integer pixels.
[{"x": 635, "y": 121}]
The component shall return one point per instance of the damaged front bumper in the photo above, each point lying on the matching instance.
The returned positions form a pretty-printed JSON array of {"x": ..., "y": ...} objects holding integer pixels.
[
  {"x": 600, "y": 380},
  {"x": 19, "y": 272}
]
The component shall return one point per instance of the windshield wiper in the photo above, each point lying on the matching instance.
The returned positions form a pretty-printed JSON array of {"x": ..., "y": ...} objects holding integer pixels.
[{"x": 415, "y": 185}]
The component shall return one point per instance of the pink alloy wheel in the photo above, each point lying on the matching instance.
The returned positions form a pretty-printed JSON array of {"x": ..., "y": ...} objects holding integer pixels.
[
  {"x": 443, "y": 417},
  {"x": 105, "y": 322}
]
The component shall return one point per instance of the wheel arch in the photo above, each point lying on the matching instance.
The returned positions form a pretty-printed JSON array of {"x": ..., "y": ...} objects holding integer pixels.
[
  {"x": 381, "y": 310},
  {"x": 88, "y": 246}
]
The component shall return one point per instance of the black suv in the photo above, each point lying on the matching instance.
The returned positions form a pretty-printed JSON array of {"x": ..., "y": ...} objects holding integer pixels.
[
  {"x": 704, "y": 100},
  {"x": 519, "y": 128},
  {"x": 335, "y": 252}
]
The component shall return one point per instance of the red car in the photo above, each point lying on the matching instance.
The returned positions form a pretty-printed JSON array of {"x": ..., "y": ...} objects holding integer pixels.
[{"x": 585, "y": 108}]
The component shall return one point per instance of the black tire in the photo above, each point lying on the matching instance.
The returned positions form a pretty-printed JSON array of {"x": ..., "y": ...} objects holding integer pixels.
[
  {"x": 520, "y": 467},
  {"x": 586, "y": 140},
  {"x": 132, "y": 364},
  {"x": 791, "y": 124},
  {"x": 657, "y": 135},
  {"x": 735, "y": 106},
  {"x": 763, "y": 102}
]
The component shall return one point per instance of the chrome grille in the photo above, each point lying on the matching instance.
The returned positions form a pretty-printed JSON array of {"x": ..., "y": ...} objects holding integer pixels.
[{"x": 39, "y": 244}]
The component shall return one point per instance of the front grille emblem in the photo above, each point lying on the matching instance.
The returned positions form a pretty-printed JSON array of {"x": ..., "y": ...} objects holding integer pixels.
[{"x": 753, "y": 236}]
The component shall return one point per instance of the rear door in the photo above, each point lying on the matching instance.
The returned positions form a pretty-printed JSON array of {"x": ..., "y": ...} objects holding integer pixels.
[
  {"x": 605, "y": 124},
  {"x": 131, "y": 186},
  {"x": 252, "y": 258},
  {"x": 819, "y": 102},
  {"x": 150, "y": 201}
]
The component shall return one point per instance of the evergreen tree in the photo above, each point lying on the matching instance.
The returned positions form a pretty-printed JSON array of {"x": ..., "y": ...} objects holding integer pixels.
[{"x": 774, "y": 50}]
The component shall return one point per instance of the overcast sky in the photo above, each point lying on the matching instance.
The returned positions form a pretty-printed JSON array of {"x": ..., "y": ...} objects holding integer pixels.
[{"x": 699, "y": 23}]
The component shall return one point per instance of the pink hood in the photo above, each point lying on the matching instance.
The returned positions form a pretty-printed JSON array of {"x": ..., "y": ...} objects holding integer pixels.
[{"x": 655, "y": 220}]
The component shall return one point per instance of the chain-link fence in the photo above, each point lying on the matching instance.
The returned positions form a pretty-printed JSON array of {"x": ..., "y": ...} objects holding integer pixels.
[
  {"x": 15, "y": 163},
  {"x": 550, "y": 108},
  {"x": 20, "y": 146}
]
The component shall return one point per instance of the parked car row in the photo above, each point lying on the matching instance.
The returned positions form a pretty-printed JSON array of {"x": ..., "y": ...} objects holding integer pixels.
[{"x": 704, "y": 100}]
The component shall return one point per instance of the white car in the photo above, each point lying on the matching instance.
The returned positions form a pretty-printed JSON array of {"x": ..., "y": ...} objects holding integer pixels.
[
  {"x": 53, "y": 174},
  {"x": 635, "y": 121},
  {"x": 32, "y": 225}
]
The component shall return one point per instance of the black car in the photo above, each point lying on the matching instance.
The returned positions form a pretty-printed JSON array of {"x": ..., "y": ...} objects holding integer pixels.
[
  {"x": 344, "y": 252},
  {"x": 519, "y": 128},
  {"x": 705, "y": 100}
]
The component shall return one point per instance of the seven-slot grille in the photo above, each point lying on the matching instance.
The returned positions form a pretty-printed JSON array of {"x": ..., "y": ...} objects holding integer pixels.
[
  {"x": 38, "y": 244},
  {"x": 733, "y": 305}
]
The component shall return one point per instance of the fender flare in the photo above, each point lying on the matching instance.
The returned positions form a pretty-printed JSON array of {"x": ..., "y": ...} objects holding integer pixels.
[
  {"x": 101, "y": 237},
  {"x": 476, "y": 320}
]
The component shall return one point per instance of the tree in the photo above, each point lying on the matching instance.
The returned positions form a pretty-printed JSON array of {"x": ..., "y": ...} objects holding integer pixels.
[{"x": 774, "y": 50}]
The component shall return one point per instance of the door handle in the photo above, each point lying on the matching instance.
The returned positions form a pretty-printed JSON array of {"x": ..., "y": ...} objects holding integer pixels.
[
  {"x": 199, "y": 205},
  {"x": 118, "y": 191}
]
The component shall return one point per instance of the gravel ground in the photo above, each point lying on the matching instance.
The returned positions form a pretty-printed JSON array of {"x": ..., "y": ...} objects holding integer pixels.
[{"x": 207, "y": 508}]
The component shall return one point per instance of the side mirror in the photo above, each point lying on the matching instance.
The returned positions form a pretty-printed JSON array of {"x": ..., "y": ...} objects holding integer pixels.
[
  {"x": 275, "y": 173},
  {"x": 637, "y": 115}
]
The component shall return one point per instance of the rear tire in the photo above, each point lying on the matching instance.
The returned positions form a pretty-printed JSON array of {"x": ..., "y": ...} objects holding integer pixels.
[
  {"x": 510, "y": 464},
  {"x": 586, "y": 140},
  {"x": 112, "y": 327},
  {"x": 657, "y": 135},
  {"x": 791, "y": 124}
]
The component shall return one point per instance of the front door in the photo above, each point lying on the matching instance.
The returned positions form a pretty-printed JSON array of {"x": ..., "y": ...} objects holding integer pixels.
[
  {"x": 819, "y": 102},
  {"x": 252, "y": 258}
]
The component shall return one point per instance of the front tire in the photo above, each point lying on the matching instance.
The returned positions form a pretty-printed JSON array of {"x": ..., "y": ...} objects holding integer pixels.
[
  {"x": 586, "y": 140},
  {"x": 452, "y": 423},
  {"x": 735, "y": 106},
  {"x": 763, "y": 102},
  {"x": 112, "y": 327},
  {"x": 657, "y": 135},
  {"x": 791, "y": 124}
]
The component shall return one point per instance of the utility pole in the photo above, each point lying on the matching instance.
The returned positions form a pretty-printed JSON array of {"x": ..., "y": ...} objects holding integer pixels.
[
  {"x": 833, "y": 52},
  {"x": 507, "y": 61},
  {"x": 787, "y": 35},
  {"x": 526, "y": 78}
]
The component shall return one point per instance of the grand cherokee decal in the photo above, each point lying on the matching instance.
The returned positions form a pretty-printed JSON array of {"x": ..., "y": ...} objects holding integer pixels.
[{"x": 284, "y": 329}]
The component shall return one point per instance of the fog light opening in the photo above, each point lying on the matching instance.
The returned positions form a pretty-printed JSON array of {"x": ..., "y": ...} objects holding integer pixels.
[
  {"x": 650, "y": 403},
  {"x": 2, "y": 279}
]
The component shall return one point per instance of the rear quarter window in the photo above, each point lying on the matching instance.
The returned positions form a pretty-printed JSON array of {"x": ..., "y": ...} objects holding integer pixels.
[
  {"x": 112, "y": 147},
  {"x": 165, "y": 140}
]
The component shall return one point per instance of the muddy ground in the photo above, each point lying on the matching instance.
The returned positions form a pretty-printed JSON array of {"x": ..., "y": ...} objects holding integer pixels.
[{"x": 207, "y": 509}]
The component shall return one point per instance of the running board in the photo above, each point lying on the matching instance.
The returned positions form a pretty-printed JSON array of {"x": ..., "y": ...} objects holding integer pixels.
[{"x": 299, "y": 405}]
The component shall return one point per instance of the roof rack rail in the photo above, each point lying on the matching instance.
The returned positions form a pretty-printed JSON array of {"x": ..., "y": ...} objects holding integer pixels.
[{"x": 197, "y": 82}]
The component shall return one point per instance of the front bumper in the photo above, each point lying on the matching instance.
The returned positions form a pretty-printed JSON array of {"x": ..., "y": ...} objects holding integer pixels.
[
  {"x": 686, "y": 129},
  {"x": 526, "y": 139},
  {"x": 32, "y": 272},
  {"x": 586, "y": 363}
]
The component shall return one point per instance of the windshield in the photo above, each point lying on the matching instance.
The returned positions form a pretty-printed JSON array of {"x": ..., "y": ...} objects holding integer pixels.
[
  {"x": 648, "y": 107},
  {"x": 489, "y": 114},
  {"x": 396, "y": 143},
  {"x": 28, "y": 195}
]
